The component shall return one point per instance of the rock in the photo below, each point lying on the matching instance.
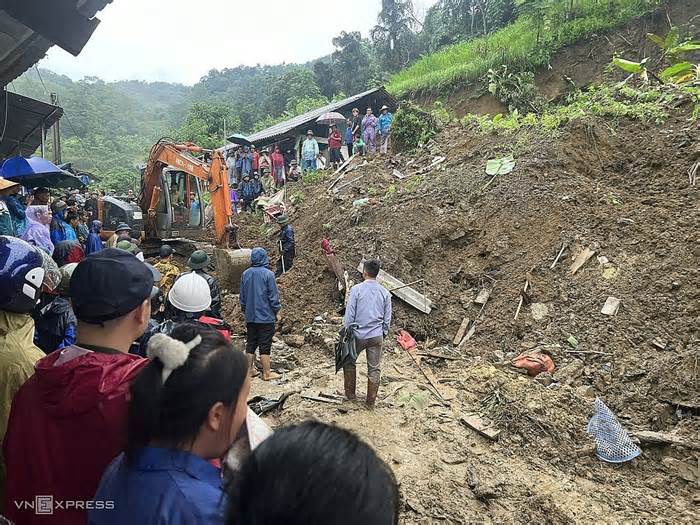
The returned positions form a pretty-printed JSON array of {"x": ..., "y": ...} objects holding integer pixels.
[
  {"x": 545, "y": 378},
  {"x": 585, "y": 391},
  {"x": 569, "y": 372},
  {"x": 539, "y": 311},
  {"x": 294, "y": 340}
]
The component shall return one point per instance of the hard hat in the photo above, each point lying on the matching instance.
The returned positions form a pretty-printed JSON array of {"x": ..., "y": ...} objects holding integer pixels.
[
  {"x": 190, "y": 293},
  {"x": 21, "y": 275}
]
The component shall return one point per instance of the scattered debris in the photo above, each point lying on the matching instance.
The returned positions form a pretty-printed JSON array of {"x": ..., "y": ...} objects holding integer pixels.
[
  {"x": 534, "y": 362},
  {"x": 522, "y": 299},
  {"x": 481, "y": 426},
  {"x": 396, "y": 173},
  {"x": 582, "y": 258},
  {"x": 409, "y": 345},
  {"x": 611, "y": 306},
  {"x": 402, "y": 291},
  {"x": 663, "y": 438},
  {"x": 343, "y": 186},
  {"x": 659, "y": 343},
  {"x": 358, "y": 203},
  {"x": 320, "y": 399},
  {"x": 561, "y": 252},
  {"x": 693, "y": 172},
  {"x": 294, "y": 340},
  {"x": 461, "y": 331},
  {"x": 539, "y": 311},
  {"x": 572, "y": 341},
  {"x": 261, "y": 405},
  {"x": 613, "y": 444},
  {"x": 501, "y": 166},
  {"x": 483, "y": 296}
]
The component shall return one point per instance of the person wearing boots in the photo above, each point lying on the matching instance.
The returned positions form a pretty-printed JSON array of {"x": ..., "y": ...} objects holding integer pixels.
[
  {"x": 369, "y": 314},
  {"x": 286, "y": 244},
  {"x": 260, "y": 302}
]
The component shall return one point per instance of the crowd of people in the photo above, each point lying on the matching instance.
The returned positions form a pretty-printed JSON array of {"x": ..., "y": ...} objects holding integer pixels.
[
  {"x": 123, "y": 395},
  {"x": 252, "y": 174}
]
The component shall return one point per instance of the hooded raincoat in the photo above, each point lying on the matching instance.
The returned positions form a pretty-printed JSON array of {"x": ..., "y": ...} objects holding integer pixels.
[
  {"x": 94, "y": 243},
  {"x": 68, "y": 252},
  {"x": 17, "y": 358},
  {"x": 260, "y": 298},
  {"x": 37, "y": 232},
  {"x": 67, "y": 423}
]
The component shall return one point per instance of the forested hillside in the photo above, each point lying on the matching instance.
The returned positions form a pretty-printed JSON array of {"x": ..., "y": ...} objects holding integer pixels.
[{"x": 109, "y": 127}]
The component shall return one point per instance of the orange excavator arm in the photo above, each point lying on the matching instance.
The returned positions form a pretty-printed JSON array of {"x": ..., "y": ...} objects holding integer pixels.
[{"x": 215, "y": 174}]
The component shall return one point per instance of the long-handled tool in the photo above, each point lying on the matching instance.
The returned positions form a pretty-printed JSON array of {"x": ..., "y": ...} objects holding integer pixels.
[{"x": 284, "y": 270}]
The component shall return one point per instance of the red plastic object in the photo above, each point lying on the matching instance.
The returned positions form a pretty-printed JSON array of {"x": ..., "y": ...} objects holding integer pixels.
[
  {"x": 406, "y": 340},
  {"x": 326, "y": 247},
  {"x": 220, "y": 325},
  {"x": 534, "y": 362}
]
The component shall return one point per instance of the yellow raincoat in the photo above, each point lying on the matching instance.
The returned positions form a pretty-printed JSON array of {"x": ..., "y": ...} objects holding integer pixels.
[{"x": 18, "y": 354}]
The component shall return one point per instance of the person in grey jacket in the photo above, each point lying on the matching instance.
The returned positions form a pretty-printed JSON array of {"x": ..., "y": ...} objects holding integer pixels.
[
  {"x": 368, "y": 314},
  {"x": 260, "y": 302}
]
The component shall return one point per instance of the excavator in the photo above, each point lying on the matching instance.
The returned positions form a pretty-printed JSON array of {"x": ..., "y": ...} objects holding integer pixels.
[
  {"x": 172, "y": 192},
  {"x": 175, "y": 188}
]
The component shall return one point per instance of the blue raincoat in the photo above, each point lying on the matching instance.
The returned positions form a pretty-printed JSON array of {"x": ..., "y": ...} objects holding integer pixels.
[{"x": 260, "y": 298}]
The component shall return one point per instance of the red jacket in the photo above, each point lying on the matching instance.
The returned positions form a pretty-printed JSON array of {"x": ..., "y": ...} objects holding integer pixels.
[
  {"x": 335, "y": 140},
  {"x": 256, "y": 160},
  {"x": 66, "y": 424}
]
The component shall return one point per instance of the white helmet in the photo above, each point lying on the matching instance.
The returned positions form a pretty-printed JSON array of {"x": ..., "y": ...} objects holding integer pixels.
[{"x": 190, "y": 293}]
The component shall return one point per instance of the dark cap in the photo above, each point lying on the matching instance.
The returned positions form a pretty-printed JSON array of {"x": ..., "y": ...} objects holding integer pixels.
[
  {"x": 165, "y": 250},
  {"x": 109, "y": 284}
]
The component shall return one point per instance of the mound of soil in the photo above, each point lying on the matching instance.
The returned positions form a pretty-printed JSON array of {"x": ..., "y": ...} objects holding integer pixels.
[{"x": 620, "y": 189}]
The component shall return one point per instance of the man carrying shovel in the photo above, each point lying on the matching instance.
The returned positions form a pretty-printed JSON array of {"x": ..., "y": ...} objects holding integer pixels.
[{"x": 286, "y": 245}]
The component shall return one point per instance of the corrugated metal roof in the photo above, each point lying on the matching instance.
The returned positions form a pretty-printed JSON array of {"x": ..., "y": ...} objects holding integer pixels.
[
  {"x": 310, "y": 117},
  {"x": 25, "y": 117},
  {"x": 21, "y": 47}
]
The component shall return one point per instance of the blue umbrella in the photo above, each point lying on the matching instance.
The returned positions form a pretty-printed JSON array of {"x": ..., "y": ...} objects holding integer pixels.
[{"x": 32, "y": 172}]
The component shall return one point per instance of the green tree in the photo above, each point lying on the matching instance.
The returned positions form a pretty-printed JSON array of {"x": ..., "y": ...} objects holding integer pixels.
[
  {"x": 325, "y": 80},
  {"x": 205, "y": 125},
  {"x": 393, "y": 37},
  {"x": 297, "y": 83},
  {"x": 351, "y": 62}
]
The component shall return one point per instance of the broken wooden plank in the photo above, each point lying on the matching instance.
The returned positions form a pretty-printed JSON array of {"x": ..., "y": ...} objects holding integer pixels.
[
  {"x": 400, "y": 290},
  {"x": 321, "y": 399},
  {"x": 461, "y": 331},
  {"x": 396, "y": 173},
  {"x": 482, "y": 427},
  {"x": 611, "y": 306},
  {"x": 445, "y": 392},
  {"x": 342, "y": 186},
  {"x": 581, "y": 259},
  {"x": 663, "y": 438},
  {"x": 522, "y": 298},
  {"x": 659, "y": 343}
]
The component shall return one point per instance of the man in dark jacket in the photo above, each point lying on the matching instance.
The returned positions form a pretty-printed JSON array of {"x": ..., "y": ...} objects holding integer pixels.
[
  {"x": 56, "y": 323},
  {"x": 198, "y": 261},
  {"x": 286, "y": 244},
  {"x": 260, "y": 302}
]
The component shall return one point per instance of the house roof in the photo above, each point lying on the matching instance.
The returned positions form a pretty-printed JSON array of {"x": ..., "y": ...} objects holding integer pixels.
[
  {"x": 24, "y": 123},
  {"x": 28, "y": 28},
  {"x": 304, "y": 120}
]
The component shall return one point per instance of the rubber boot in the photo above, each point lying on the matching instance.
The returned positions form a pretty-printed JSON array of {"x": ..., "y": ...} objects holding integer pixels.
[
  {"x": 350, "y": 382},
  {"x": 372, "y": 391},
  {"x": 267, "y": 374}
]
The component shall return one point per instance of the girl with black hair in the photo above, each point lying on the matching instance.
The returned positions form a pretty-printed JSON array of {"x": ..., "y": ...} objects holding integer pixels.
[
  {"x": 313, "y": 474},
  {"x": 186, "y": 408}
]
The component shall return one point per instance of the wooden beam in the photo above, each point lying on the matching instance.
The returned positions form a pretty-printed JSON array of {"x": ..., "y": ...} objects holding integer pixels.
[{"x": 400, "y": 290}]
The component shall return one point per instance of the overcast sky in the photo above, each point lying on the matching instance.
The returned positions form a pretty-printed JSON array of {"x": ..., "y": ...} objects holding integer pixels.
[{"x": 167, "y": 40}]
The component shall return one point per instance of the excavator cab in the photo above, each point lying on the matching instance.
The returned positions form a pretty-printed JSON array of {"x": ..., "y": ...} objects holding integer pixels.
[{"x": 180, "y": 209}]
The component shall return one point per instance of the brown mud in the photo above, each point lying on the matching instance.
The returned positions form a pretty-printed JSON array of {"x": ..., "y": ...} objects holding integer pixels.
[{"x": 620, "y": 187}]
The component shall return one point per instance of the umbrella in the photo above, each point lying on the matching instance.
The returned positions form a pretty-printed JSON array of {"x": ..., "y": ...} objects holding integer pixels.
[
  {"x": 331, "y": 118},
  {"x": 239, "y": 139},
  {"x": 37, "y": 171}
]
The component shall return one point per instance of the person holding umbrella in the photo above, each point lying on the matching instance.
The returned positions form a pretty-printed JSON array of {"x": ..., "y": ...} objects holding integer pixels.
[{"x": 335, "y": 142}]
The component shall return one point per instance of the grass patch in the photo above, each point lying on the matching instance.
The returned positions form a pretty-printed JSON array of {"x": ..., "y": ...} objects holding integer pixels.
[
  {"x": 515, "y": 46},
  {"x": 611, "y": 102}
]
